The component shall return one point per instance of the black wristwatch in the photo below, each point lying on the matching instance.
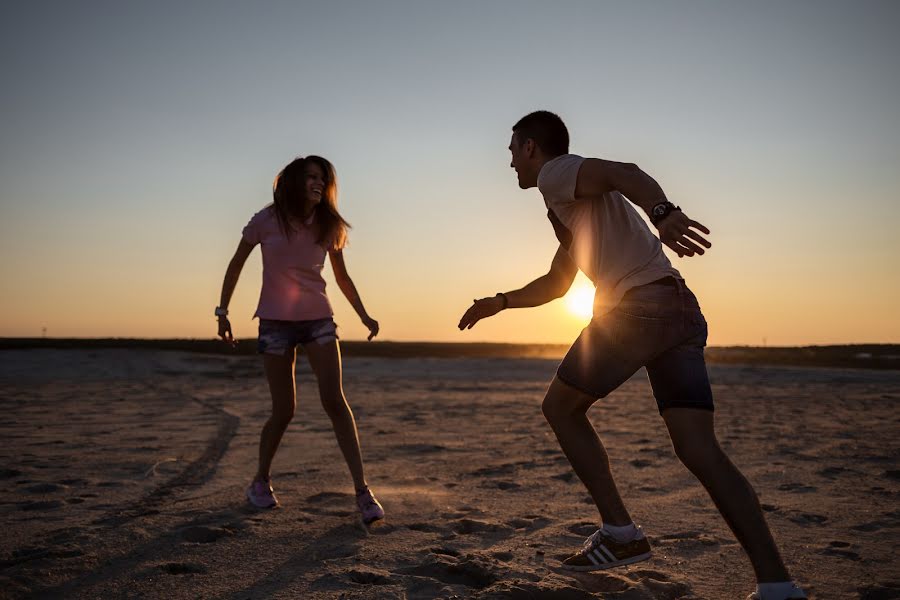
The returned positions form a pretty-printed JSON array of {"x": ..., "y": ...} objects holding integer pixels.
[{"x": 661, "y": 211}]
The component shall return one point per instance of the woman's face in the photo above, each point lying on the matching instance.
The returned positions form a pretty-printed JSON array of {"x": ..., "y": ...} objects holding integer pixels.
[{"x": 314, "y": 183}]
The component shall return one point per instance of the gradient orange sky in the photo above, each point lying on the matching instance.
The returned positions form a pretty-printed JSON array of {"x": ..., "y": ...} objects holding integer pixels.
[{"x": 138, "y": 140}]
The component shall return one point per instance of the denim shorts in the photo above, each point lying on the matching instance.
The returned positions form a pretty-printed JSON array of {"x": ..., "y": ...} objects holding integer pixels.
[
  {"x": 281, "y": 337},
  {"x": 658, "y": 326}
]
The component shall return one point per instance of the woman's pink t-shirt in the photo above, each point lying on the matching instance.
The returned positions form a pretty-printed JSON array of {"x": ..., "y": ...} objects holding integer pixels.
[{"x": 292, "y": 284}]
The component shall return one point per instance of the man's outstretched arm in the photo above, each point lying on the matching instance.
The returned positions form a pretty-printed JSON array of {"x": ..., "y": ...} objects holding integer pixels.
[
  {"x": 542, "y": 290},
  {"x": 677, "y": 231}
]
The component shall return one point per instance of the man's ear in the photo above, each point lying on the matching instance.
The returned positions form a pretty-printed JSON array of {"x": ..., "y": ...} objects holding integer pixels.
[{"x": 530, "y": 148}]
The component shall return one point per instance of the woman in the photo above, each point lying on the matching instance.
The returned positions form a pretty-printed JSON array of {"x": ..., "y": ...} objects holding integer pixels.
[{"x": 295, "y": 232}]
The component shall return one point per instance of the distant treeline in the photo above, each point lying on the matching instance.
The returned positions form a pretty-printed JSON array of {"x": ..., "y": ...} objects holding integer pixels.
[{"x": 868, "y": 356}]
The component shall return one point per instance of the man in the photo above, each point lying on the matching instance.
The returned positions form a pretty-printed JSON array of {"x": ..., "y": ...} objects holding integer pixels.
[{"x": 644, "y": 316}]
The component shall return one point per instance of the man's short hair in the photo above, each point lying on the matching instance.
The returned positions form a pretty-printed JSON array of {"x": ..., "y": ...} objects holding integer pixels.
[{"x": 546, "y": 129}]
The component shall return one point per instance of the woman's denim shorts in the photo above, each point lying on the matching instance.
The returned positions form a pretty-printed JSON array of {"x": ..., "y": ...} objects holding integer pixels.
[{"x": 281, "y": 337}]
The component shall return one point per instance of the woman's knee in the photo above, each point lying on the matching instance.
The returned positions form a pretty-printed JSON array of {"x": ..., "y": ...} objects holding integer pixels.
[
  {"x": 335, "y": 405},
  {"x": 282, "y": 416}
]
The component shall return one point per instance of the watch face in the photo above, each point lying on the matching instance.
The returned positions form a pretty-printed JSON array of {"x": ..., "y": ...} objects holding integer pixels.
[{"x": 659, "y": 209}]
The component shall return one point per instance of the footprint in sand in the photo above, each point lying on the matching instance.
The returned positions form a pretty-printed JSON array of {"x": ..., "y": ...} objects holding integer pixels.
[
  {"x": 808, "y": 519},
  {"x": 799, "y": 488},
  {"x": 690, "y": 542},
  {"x": 426, "y": 528},
  {"x": 528, "y": 522},
  {"x": 41, "y": 505},
  {"x": 45, "y": 488},
  {"x": 641, "y": 583},
  {"x": 883, "y": 590},
  {"x": 893, "y": 475},
  {"x": 661, "y": 586},
  {"x": 504, "y": 469},
  {"x": 470, "y": 526},
  {"x": 419, "y": 448},
  {"x": 582, "y": 528},
  {"x": 176, "y": 568},
  {"x": 73, "y": 482},
  {"x": 832, "y": 472},
  {"x": 840, "y": 549},
  {"x": 329, "y": 504},
  {"x": 369, "y": 576},
  {"x": 470, "y": 571},
  {"x": 892, "y": 519},
  {"x": 507, "y": 485},
  {"x": 110, "y": 484},
  {"x": 203, "y": 535},
  {"x": 550, "y": 590}
]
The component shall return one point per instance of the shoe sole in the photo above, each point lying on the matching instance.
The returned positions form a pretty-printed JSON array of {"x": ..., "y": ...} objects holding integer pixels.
[
  {"x": 372, "y": 521},
  {"x": 613, "y": 565},
  {"x": 255, "y": 505}
]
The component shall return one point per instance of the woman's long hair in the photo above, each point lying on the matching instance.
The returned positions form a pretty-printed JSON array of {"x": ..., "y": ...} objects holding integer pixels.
[{"x": 289, "y": 193}]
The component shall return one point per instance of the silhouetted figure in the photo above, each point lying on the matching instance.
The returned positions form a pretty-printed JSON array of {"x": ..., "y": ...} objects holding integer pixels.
[
  {"x": 295, "y": 233},
  {"x": 644, "y": 316}
]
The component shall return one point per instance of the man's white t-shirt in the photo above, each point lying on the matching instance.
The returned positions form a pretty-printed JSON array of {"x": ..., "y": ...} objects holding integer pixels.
[{"x": 606, "y": 238}]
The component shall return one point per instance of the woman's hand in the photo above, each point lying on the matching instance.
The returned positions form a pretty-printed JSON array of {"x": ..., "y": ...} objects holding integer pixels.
[
  {"x": 372, "y": 325},
  {"x": 225, "y": 332}
]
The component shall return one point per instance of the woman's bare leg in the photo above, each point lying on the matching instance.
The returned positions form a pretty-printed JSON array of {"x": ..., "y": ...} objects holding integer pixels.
[
  {"x": 325, "y": 360},
  {"x": 280, "y": 373}
]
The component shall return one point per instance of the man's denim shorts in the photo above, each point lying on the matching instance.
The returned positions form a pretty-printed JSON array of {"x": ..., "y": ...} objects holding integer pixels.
[
  {"x": 281, "y": 337},
  {"x": 658, "y": 326}
]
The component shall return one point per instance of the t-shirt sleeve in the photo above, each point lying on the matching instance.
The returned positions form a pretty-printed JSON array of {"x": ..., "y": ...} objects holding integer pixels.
[
  {"x": 252, "y": 232},
  {"x": 558, "y": 178}
]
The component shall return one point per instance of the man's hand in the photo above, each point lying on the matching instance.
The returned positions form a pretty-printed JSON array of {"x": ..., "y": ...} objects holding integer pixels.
[
  {"x": 677, "y": 232},
  {"x": 225, "y": 332},
  {"x": 481, "y": 309}
]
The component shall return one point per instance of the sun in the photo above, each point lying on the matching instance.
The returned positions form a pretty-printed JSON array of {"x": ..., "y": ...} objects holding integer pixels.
[{"x": 580, "y": 299}]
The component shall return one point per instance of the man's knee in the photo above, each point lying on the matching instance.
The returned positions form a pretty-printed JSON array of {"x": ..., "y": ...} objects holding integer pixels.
[
  {"x": 701, "y": 455},
  {"x": 563, "y": 401}
]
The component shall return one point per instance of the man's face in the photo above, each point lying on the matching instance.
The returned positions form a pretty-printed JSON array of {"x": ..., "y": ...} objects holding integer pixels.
[{"x": 523, "y": 161}]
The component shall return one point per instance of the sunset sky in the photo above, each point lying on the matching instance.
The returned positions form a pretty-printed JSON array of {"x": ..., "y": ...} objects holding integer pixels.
[{"x": 137, "y": 139}]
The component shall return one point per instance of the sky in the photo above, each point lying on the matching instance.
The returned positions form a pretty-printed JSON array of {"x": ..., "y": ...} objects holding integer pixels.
[{"x": 137, "y": 139}]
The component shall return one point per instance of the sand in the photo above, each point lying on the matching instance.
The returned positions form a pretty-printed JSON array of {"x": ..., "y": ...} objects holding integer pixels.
[{"x": 123, "y": 474}]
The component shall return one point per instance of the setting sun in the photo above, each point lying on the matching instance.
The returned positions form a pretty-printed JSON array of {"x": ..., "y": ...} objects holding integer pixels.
[{"x": 580, "y": 299}]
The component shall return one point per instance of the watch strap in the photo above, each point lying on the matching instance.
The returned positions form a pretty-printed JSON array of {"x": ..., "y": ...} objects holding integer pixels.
[{"x": 662, "y": 210}]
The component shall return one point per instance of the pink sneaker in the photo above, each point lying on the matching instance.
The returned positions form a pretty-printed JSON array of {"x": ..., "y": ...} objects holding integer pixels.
[
  {"x": 261, "y": 495},
  {"x": 369, "y": 507}
]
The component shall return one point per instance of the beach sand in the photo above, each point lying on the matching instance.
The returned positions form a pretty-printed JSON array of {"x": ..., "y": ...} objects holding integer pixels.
[{"x": 124, "y": 471}]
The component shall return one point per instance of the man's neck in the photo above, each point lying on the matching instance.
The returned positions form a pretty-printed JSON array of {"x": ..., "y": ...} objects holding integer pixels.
[{"x": 543, "y": 159}]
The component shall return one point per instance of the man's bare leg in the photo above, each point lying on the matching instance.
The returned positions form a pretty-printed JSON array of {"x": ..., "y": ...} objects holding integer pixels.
[
  {"x": 694, "y": 438},
  {"x": 565, "y": 409}
]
